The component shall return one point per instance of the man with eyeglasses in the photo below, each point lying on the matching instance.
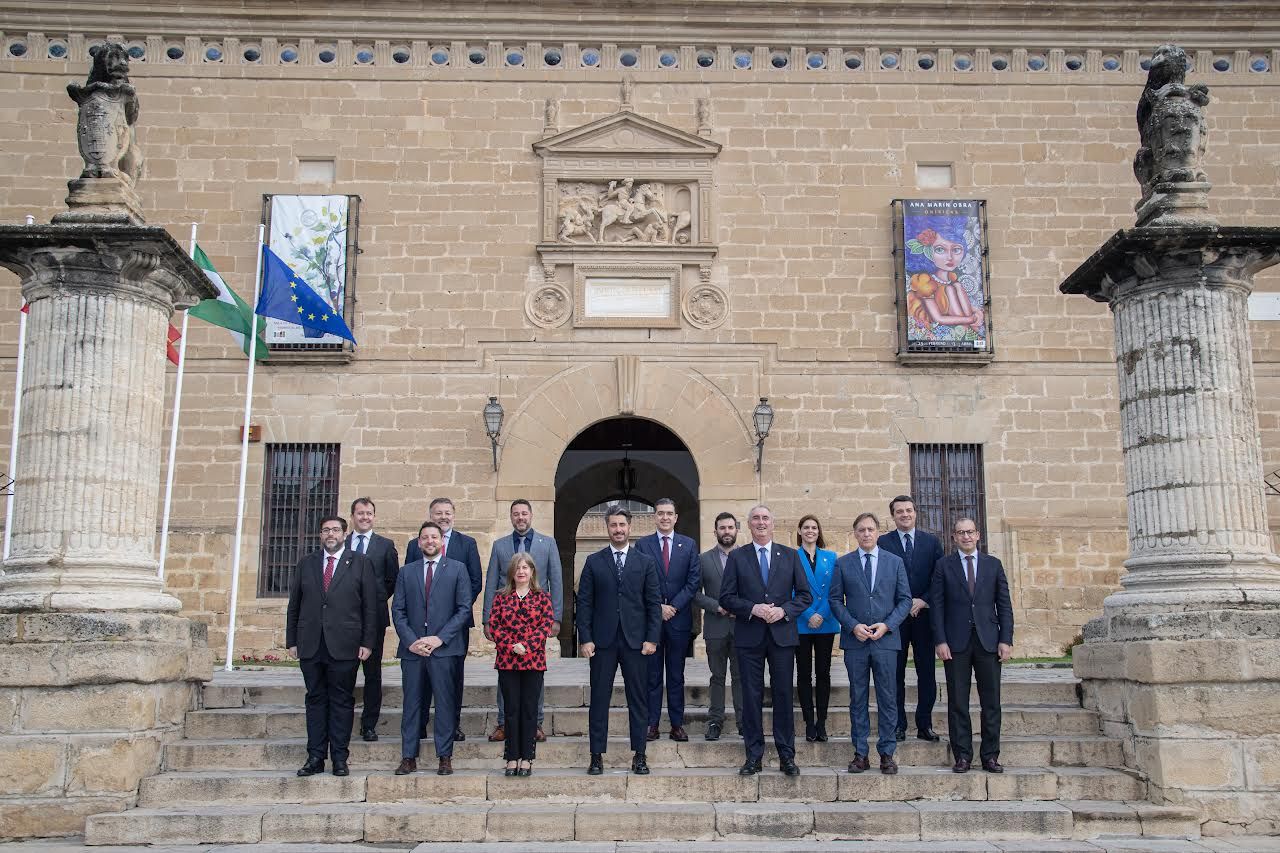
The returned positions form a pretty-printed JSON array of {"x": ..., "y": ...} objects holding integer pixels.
[
  {"x": 330, "y": 626},
  {"x": 972, "y": 619}
]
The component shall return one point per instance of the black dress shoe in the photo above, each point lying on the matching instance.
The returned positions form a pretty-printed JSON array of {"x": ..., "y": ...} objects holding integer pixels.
[
  {"x": 900, "y": 735},
  {"x": 368, "y": 735},
  {"x": 810, "y": 732},
  {"x": 822, "y": 732},
  {"x": 596, "y": 767},
  {"x": 459, "y": 735},
  {"x": 929, "y": 735},
  {"x": 639, "y": 766},
  {"x": 651, "y": 733},
  {"x": 962, "y": 765},
  {"x": 788, "y": 767},
  {"x": 750, "y": 768},
  {"x": 859, "y": 764},
  {"x": 446, "y": 766},
  {"x": 312, "y": 767},
  {"x": 713, "y": 732},
  {"x": 991, "y": 765},
  {"x": 678, "y": 734},
  {"x": 340, "y": 769}
]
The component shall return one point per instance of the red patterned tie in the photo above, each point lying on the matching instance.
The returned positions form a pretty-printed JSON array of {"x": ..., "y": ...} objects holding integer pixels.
[
  {"x": 328, "y": 572},
  {"x": 666, "y": 554},
  {"x": 431, "y": 566}
]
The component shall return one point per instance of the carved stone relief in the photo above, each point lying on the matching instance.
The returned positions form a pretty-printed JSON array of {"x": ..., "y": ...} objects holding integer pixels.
[
  {"x": 549, "y": 305},
  {"x": 705, "y": 306},
  {"x": 624, "y": 211}
]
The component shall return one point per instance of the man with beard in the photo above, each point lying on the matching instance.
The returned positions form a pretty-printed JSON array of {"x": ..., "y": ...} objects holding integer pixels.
[{"x": 717, "y": 626}]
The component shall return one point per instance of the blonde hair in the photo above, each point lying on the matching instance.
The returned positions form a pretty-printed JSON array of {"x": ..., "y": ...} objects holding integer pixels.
[{"x": 523, "y": 558}]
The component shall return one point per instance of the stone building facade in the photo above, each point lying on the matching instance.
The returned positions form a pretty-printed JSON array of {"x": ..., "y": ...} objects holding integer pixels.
[{"x": 792, "y": 125}]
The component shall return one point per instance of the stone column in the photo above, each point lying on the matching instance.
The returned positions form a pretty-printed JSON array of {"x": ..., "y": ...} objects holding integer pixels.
[
  {"x": 97, "y": 669},
  {"x": 1184, "y": 663}
]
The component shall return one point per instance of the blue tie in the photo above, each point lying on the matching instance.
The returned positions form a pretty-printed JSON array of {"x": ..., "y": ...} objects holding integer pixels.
[
  {"x": 617, "y": 561},
  {"x": 907, "y": 548},
  {"x": 360, "y": 547},
  {"x": 866, "y": 569},
  {"x": 764, "y": 565}
]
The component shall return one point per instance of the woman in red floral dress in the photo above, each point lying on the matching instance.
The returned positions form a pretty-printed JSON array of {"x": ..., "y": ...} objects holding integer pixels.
[{"x": 520, "y": 623}]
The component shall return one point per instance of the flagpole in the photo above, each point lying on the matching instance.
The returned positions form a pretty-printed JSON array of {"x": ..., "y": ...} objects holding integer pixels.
[
  {"x": 244, "y": 454},
  {"x": 173, "y": 432},
  {"x": 17, "y": 416}
]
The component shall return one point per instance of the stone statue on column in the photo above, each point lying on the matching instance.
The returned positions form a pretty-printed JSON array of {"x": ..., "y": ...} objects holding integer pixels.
[{"x": 1184, "y": 660}]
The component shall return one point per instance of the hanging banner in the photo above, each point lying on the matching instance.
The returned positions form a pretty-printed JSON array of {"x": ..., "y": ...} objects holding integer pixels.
[
  {"x": 309, "y": 232},
  {"x": 941, "y": 247}
]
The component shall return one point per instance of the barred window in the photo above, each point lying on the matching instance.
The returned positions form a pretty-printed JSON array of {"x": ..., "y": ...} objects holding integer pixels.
[
  {"x": 947, "y": 483},
  {"x": 300, "y": 487}
]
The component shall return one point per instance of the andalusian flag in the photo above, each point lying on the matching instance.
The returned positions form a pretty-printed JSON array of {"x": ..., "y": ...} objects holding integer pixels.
[{"x": 228, "y": 311}]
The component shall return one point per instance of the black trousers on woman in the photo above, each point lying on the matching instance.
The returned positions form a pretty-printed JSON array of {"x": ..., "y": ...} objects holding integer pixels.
[
  {"x": 813, "y": 655},
  {"x": 520, "y": 690}
]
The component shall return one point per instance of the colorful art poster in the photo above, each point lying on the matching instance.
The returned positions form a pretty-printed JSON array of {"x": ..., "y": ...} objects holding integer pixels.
[
  {"x": 309, "y": 232},
  {"x": 942, "y": 244}
]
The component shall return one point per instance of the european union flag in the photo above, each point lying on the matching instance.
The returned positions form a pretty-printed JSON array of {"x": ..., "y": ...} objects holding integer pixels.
[{"x": 287, "y": 296}]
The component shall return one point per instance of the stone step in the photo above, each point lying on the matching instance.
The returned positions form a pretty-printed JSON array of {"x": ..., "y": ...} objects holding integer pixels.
[
  {"x": 271, "y": 692},
  {"x": 816, "y": 784},
  {"x": 733, "y": 824},
  {"x": 574, "y": 751},
  {"x": 289, "y": 721}
]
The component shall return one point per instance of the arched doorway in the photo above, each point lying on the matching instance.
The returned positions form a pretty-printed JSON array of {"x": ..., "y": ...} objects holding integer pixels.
[{"x": 617, "y": 459}]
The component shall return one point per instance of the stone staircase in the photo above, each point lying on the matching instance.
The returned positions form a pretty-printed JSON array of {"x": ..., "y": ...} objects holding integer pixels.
[{"x": 232, "y": 779}]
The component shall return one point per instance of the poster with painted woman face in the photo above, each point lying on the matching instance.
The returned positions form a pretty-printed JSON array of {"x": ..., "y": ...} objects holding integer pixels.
[{"x": 941, "y": 244}]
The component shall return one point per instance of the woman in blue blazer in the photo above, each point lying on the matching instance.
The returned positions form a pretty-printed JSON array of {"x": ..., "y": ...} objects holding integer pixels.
[{"x": 818, "y": 629}]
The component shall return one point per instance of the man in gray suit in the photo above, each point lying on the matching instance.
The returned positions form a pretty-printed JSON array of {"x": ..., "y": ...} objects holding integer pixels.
[
  {"x": 717, "y": 625},
  {"x": 546, "y": 556}
]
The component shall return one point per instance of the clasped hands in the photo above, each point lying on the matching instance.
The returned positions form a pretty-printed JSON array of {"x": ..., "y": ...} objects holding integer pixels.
[
  {"x": 362, "y": 654},
  {"x": 426, "y": 645},
  {"x": 589, "y": 649},
  {"x": 768, "y": 612},
  {"x": 870, "y": 632}
]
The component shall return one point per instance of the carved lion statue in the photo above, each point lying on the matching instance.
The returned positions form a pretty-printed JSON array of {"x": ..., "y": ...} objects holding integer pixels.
[
  {"x": 1171, "y": 123},
  {"x": 108, "y": 116}
]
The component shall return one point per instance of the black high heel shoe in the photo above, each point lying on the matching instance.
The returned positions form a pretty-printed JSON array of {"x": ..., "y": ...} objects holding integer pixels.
[
  {"x": 810, "y": 732},
  {"x": 822, "y": 732},
  {"x": 511, "y": 771},
  {"x": 525, "y": 771}
]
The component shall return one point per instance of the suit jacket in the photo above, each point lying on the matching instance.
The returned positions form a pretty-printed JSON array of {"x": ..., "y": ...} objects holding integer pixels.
[
  {"x": 679, "y": 583},
  {"x": 820, "y": 586},
  {"x": 345, "y": 617},
  {"x": 381, "y": 552},
  {"x": 463, "y": 549},
  {"x": 603, "y": 608},
  {"x": 952, "y": 610},
  {"x": 926, "y": 551},
  {"x": 852, "y": 603},
  {"x": 742, "y": 588},
  {"x": 444, "y": 616},
  {"x": 546, "y": 556},
  {"x": 714, "y": 626}
]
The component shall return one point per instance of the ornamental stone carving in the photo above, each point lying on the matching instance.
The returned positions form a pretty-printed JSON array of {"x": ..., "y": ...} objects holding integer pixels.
[
  {"x": 548, "y": 306},
  {"x": 1172, "y": 127},
  {"x": 705, "y": 306},
  {"x": 623, "y": 211}
]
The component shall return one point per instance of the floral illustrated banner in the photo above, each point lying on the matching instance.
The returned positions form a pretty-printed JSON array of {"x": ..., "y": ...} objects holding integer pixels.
[
  {"x": 942, "y": 247},
  {"x": 310, "y": 233}
]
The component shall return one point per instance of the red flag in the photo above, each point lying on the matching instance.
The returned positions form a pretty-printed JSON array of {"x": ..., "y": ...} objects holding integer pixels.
[
  {"x": 174, "y": 337},
  {"x": 26, "y": 308}
]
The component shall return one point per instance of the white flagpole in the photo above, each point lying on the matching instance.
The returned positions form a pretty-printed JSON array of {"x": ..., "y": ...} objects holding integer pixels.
[
  {"x": 244, "y": 454},
  {"x": 12, "y": 473},
  {"x": 173, "y": 432}
]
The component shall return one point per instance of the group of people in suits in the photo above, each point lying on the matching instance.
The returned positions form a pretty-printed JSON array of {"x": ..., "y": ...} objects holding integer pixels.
[{"x": 763, "y": 604}]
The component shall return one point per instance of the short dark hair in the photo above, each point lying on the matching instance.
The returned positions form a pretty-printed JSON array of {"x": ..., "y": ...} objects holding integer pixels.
[
  {"x": 435, "y": 502},
  {"x": 515, "y": 503},
  {"x": 961, "y": 519},
  {"x": 617, "y": 509},
  {"x": 355, "y": 503},
  {"x": 862, "y": 515},
  {"x": 722, "y": 516},
  {"x": 665, "y": 502},
  {"x": 821, "y": 542},
  {"x": 427, "y": 524},
  {"x": 901, "y": 499},
  {"x": 337, "y": 518}
]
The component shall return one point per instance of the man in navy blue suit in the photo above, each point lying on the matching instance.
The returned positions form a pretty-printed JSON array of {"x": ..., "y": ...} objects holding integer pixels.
[
  {"x": 462, "y": 548},
  {"x": 973, "y": 626},
  {"x": 870, "y": 597},
  {"x": 920, "y": 552},
  {"x": 766, "y": 590},
  {"x": 430, "y": 609},
  {"x": 381, "y": 551},
  {"x": 678, "y": 577},
  {"x": 619, "y": 622}
]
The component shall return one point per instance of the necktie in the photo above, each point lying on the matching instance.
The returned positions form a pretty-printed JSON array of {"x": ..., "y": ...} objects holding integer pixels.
[
  {"x": 360, "y": 547},
  {"x": 444, "y": 546},
  {"x": 431, "y": 565},
  {"x": 617, "y": 561},
  {"x": 968, "y": 571},
  {"x": 328, "y": 572},
  {"x": 520, "y": 546},
  {"x": 866, "y": 569},
  {"x": 666, "y": 554},
  {"x": 907, "y": 547},
  {"x": 764, "y": 565}
]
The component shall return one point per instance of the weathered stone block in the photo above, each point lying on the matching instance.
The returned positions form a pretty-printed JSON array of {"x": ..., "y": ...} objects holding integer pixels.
[
  {"x": 423, "y": 787},
  {"x": 400, "y": 824},
  {"x": 1094, "y": 818},
  {"x": 170, "y": 789},
  {"x": 529, "y": 823},
  {"x": 1262, "y": 763},
  {"x": 37, "y": 817},
  {"x": 110, "y": 764},
  {"x": 1087, "y": 752},
  {"x": 223, "y": 696},
  {"x": 121, "y": 707},
  {"x": 30, "y": 765},
  {"x": 681, "y": 786},
  {"x": 1019, "y": 783},
  {"x": 760, "y": 820},
  {"x": 1002, "y": 820},
  {"x": 813, "y": 785},
  {"x": 912, "y": 783},
  {"x": 1168, "y": 821},
  {"x": 1191, "y": 764},
  {"x": 330, "y": 824},
  {"x": 1099, "y": 783},
  {"x": 855, "y": 821},
  {"x": 644, "y": 822},
  {"x": 209, "y": 825},
  {"x": 570, "y": 785},
  {"x": 1187, "y": 660}
]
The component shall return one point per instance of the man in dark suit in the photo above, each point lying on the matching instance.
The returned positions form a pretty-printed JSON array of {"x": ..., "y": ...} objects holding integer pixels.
[
  {"x": 330, "y": 626},
  {"x": 972, "y": 619},
  {"x": 920, "y": 551},
  {"x": 462, "y": 548},
  {"x": 619, "y": 622},
  {"x": 717, "y": 626},
  {"x": 766, "y": 590},
  {"x": 678, "y": 578},
  {"x": 431, "y": 607},
  {"x": 870, "y": 597},
  {"x": 546, "y": 558},
  {"x": 381, "y": 552}
]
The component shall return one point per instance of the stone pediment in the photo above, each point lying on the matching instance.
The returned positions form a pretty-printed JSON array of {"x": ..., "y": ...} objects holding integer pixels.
[{"x": 625, "y": 133}]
